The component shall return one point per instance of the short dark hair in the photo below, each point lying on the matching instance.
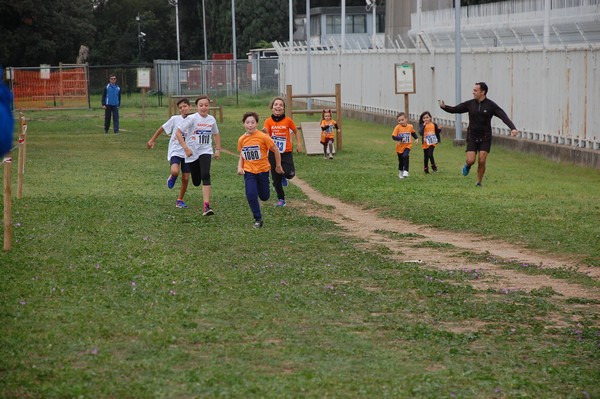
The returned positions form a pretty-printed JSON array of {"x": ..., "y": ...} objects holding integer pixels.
[
  {"x": 202, "y": 97},
  {"x": 482, "y": 86},
  {"x": 250, "y": 114},
  {"x": 183, "y": 100},
  {"x": 401, "y": 114}
]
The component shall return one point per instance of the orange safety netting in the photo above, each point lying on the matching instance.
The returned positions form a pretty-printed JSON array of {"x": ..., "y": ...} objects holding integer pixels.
[{"x": 63, "y": 88}]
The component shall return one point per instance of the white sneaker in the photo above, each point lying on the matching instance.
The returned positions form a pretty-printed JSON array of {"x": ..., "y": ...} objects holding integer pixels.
[
  {"x": 405, "y": 174},
  {"x": 400, "y": 175}
]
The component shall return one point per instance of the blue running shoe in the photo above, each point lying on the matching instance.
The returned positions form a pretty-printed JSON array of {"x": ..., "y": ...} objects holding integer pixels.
[
  {"x": 180, "y": 204},
  {"x": 466, "y": 170},
  {"x": 280, "y": 203},
  {"x": 284, "y": 182},
  {"x": 171, "y": 181}
]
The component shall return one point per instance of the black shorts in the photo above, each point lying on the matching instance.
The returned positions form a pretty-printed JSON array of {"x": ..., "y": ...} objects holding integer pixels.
[{"x": 479, "y": 143}]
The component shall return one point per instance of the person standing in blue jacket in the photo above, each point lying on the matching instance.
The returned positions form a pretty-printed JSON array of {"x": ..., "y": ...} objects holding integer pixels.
[
  {"x": 111, "y": 100},
  {"x": 7, "y": 120}
]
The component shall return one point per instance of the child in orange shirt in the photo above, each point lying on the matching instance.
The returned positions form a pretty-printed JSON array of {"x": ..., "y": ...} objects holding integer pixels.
[
  {"x": 280, "y": 128},
  {"x": 431, "y": 136},
  {"x": 327, "y": 135},
  {"x": 254, "y": 147},
  {"x": 403, "y": 135}
]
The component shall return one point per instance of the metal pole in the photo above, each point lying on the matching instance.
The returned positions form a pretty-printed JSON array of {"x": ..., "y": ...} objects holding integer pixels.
[
  {"x": 204, "y": 28},
  {"x": 205, "y": 66},
  {"x": 308, "y": 72},
  {"x": 457, "y": 67},
  {"x": 139, "y": 37},
  {"x": 234, "y": 50},
  {"x": 291, "y": 41},
  {"x": 178, "y": 52},
  {"x": 374, "y": 25}
]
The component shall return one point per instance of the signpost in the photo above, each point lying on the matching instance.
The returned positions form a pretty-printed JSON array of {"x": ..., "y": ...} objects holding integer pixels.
[
  {"x": 143, "y": 82},
  {"x": 405, "y": 82}
]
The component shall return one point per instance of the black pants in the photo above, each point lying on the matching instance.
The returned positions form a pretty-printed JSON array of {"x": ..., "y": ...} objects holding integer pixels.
[
  {"x": 200, "y": 170},
  {"x": 289, "y": 171},
  {"x": 428, "y": 156},
  {"x": 403, "y": 160}
]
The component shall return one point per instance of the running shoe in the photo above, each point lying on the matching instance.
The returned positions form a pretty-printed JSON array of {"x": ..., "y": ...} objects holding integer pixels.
[
  {"x": 258, "y": 224},
  {"x": 466, "y": 169},
  {"x": 171, "y": 181},
  {"x": 330, "y": 156},
  {"x": 400, "y": 175},
  {"x": 280, "y": 203},
  {"x": 284, "y": 182},
  {"x": 478, "y": 184},
  {"x": 208, "y": 211},
  {"x": 180, "y": 204},
  {"x": 405, "y": 173},
  {"x": 426, "y": 170}
]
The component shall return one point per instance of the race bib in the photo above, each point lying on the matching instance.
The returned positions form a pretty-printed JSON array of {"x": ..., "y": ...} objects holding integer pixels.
[
  {"x": 251, "y": 153},
  {"x": 280, "y": 142},
  {"x": 204, "y": 139},
  {"x": 431, "y": 139},
  {"x": 405, "y": 138}
]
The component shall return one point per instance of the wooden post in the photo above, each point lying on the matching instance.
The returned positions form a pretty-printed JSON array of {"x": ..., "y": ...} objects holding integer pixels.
[
  {"x": 7, "y": 202},
  {"x": 338, "y": 115},
  {"x": 288, "y": 92},
  {"x": 406, "y": 106},
  {"x": 144, "y": 107},
  {"x": 21, "y": 166},
  {"x": 24, "y": 131}
]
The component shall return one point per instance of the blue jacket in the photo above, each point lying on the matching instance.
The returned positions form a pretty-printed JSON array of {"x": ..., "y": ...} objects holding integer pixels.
[{"x": 111, "y": 95}]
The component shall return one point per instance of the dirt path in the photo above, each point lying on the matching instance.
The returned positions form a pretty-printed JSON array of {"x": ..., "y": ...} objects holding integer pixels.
[{"x": 414, "y": 243}]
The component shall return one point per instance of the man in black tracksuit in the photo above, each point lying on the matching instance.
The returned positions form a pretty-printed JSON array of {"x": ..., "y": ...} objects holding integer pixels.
[{"x": 479, "y": 133}]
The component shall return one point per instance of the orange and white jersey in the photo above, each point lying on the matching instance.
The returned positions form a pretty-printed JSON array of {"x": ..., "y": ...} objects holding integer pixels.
[
  {"x": 328, "y": 127},
  {"x": 429, "y": 136},
  {"x": 254, "y": 149},
  {"x": 280, "y": 132},
  {"x": 405, "y": 134}
]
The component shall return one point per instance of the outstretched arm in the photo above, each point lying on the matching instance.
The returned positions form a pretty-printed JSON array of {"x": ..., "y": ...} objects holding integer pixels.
[{"x": 150, "y": 143}]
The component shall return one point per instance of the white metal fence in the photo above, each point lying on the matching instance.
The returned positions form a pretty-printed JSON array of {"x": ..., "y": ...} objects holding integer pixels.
[{"x": 538, "y": 57}]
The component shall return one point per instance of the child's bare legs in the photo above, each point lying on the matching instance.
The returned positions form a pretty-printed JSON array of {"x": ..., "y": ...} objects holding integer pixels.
[
  {"x": 185, "y": 179},
  {"x": 175, "y": 170}
]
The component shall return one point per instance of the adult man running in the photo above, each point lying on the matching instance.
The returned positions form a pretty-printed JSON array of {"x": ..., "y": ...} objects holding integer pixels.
[{"x": 479, "y": 133}]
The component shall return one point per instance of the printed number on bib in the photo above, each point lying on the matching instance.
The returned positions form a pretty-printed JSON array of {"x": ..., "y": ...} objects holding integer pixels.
[
  {"x": 431, "y": 140},
  {"x": 204, "y": 139},
  {"x": 280, "y": 143},
  {"x": 405, "y": 138},
  {"x": 251, "y": 153}
]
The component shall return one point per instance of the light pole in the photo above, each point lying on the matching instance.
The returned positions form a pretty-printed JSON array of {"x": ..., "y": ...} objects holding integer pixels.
[
  {"x": 176, "y": 4},
  {"x": 234, "y": 49},
  {"x": 139, "y": 38},
  {"x": 372, "y": 4}
]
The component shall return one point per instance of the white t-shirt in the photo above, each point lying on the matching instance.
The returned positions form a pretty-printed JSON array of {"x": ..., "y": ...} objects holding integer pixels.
[
  {"x": 175, "y": 149},
  {"x": 198, "y": 131}
]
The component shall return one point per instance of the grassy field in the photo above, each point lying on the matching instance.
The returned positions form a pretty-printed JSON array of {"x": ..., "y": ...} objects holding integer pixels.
[{"x": 112, "y": 292}]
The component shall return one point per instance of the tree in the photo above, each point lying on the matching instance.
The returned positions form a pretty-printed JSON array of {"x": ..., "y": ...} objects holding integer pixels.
[{"x": 38, "y": 32}]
